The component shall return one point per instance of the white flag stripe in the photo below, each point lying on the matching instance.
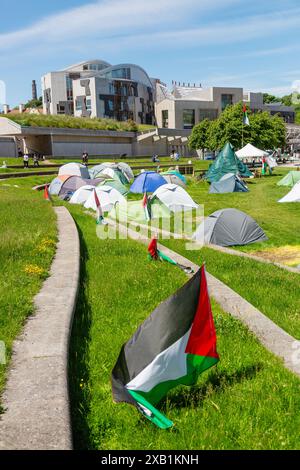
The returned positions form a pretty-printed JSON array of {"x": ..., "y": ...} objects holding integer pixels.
[{"x": 168, "y": 365}]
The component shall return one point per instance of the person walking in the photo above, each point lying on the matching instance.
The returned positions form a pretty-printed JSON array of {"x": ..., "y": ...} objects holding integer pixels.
[
  {"x": 36, "y": 160},
  {"x": 26, "y": 160}
]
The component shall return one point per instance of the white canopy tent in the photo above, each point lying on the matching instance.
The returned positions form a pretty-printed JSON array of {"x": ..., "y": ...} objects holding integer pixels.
[{"x": 249, "y": 151}]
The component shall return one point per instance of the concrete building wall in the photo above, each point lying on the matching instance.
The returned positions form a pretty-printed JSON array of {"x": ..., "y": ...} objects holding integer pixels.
[
  {"x": 166, "y": 105},
  {"x": 8, "y": 147},
  {"x": 55, "y": 84}
]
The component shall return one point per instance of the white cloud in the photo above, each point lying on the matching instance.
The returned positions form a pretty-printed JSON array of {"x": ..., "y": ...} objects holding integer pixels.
[{"x": 107, "y": 18}]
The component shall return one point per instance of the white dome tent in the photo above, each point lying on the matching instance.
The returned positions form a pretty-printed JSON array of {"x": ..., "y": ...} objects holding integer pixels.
[
  {"x": 74, "y": 169},
  {"x": 108, "y": 198},
  {"x": 82, "y": 194},
  {"x": 293, "y": 195},
  {"x": 174, "y": 197}
]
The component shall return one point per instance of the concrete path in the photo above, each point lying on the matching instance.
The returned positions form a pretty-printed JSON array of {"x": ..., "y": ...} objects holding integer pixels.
[
  {"x": 36, "y": 398},
  {"x": 274, "y": 338}
]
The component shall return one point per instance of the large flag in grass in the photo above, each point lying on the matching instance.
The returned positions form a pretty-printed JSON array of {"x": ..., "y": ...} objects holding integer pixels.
[{"x": 172, "y": 347}]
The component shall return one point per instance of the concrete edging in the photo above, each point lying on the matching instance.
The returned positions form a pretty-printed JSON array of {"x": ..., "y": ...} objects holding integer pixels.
[{"x": 36, "y": 397}]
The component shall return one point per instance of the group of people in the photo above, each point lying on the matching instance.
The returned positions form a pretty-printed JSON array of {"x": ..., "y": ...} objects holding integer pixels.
[
  {"x": 175, "y": 156},
  {"x": 26, "y": 159}
]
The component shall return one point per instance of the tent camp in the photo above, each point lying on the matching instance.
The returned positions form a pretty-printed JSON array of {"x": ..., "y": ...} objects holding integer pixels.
[
  {"x": 115, "y": 184},
  {"x": 293, "y": 195},
  {"x": 174, "y": 197},
  {"x": 229, "y": 227},
  {"x": 108, "y": 198},
  {"x": 174, "y": 179},
  {"x": 74, "y": 169},
  {"x": 147, "y": 182},
  {"x": 75, "y": 182},
  {"x": 56, "y": 185},
  {"x": 228, "y": 184},
  {"x": 82, "y": 194},
  {"x": 290, "y": 179},
  {"x": 227, "y": 162},
  {"x": 250, "y": 152}
]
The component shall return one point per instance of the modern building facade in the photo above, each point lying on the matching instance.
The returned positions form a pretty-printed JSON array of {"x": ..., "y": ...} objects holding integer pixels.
[
  {"x": 185, "y": 106},
  {"x": 98, "y": 89},
  {"x": 256, "y": 104}
]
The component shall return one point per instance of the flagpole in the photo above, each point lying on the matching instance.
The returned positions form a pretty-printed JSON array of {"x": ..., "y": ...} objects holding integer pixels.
[{"x": 243, "y": 128}]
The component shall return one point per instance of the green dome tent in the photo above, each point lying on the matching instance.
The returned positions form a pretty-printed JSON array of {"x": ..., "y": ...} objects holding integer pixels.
[
  {"x": 227, "y": 162},
  {"x": 290, "y": 179}
]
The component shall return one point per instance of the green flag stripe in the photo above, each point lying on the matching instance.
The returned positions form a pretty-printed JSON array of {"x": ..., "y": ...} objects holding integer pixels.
[
  {"x": 156, "y": 417},
  {"x": 195, "y": 366}
]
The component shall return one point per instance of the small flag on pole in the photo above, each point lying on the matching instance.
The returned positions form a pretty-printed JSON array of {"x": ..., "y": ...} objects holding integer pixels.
[
  {"x": 99, "y": 209},
  {"x": 146, "y": 207},
  {"x": 172, "y": 347},
  {"x": 46, "y": 194},
  {"x": 156, "y": 254},
  {"x": 246, "y": 121}
]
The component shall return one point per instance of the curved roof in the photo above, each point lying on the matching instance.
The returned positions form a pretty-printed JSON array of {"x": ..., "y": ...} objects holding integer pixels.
[
  {"x": 147, "y": 80},
  {"x": 86, "y": 62}
]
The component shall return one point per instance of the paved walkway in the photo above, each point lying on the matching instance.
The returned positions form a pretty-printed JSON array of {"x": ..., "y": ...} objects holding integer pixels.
[{"x": 36, "y": 398}]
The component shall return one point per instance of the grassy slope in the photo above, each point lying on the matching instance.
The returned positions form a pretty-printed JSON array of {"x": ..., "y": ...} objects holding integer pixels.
[
  {"x": 26, "y": 222},
  {"x": 63, "y": 121},
  {"x": 248, "y": 402}
]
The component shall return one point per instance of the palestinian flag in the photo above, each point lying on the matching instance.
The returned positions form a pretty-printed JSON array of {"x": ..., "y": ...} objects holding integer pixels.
[
  {"x": 246, "y": 121},
  {"x": 99, "y": 209},
  {"x": 155, "y": 254},
  {"x": 172, "y": 347},
  {"x": 46, "y": 194},
  {"x": 146, "y": 207}
]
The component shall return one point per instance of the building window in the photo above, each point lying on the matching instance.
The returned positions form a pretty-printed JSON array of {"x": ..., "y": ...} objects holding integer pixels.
[
  {"x": 210, "y": 114},
  {"x": 165, "y": 118},
  {"x": 78, "y": 105},
  {"x": 89, "y": 105},
  {"x": 188, "y": 118},
  {"x": 69, "y": 85},
  {"x": 226, "y": 100},
  {"x": 61, "y": 109}
]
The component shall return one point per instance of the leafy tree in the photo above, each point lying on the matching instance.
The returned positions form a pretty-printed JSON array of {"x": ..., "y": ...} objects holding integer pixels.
[
  {"x": 34, "y": 103},
  {"x": 265, "y": 131},
  {"x": 200, "y": 135},
  {"x": 270, "y": 98}
]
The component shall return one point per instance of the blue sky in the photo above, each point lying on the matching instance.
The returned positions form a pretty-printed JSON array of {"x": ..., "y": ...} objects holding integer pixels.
[{"x": 214, "y": 42}]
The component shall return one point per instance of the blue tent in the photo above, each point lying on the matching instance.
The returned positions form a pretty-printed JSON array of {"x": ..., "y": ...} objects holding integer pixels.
[{"x": 147, "y": 182}]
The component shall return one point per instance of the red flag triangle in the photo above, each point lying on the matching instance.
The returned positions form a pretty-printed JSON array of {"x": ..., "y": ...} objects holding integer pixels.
[{"x": 203, "y": 339}]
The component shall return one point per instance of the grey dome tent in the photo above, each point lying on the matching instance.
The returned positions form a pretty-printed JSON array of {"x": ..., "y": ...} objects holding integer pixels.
[
  {"x": 229, "y": 227},
  {"x": 229, "y": 183}
]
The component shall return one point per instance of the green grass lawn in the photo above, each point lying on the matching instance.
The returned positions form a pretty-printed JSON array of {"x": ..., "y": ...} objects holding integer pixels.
[
  {"x": 249, "y": 401},
  {"x": 27, "y": 244}
]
